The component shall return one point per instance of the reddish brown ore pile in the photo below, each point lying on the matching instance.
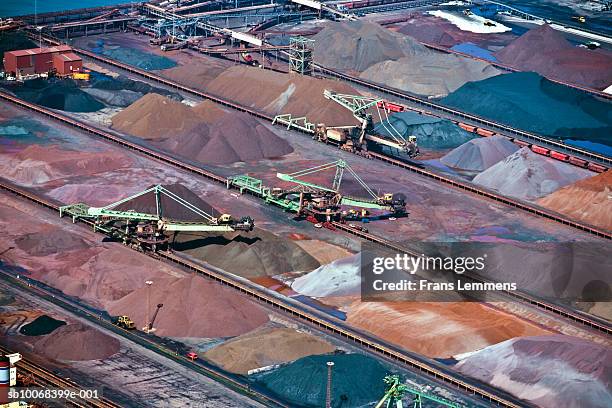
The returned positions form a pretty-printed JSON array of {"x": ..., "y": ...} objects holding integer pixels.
[
  {"x": 440, "y": 329},
  {"x": 197, "y": 72},
  {"x": 155, "y": 117},
  {"x": 38, "y": 164},
  {"x": 77, "y": 342},
  {"x": 193, "y": 307},
  {"x": 98, "y": 275},
  {"x": 548, "y": 53},
  {"x": 437, "y": 31},
  {"x": 205, "y": 133},
  {"x": 586, "y": 200},
  {"x": 49, "y": 242},
  {"x": 275, "y": 93}
]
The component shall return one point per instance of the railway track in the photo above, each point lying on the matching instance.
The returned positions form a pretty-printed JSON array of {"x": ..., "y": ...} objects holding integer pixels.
[
  {"x": 584, "y": 320},
  {"x": 233, "y": 382},
  {"x": 320, "y": 321},
  {"x": 464, "y": 186},
  {"x": 46, "y": 377}
]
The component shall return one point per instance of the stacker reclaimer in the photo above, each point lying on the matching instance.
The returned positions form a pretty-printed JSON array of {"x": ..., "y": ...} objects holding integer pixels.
[
  {"x": 355, "y": 139},
  {"x": 395, "y": 392},
  {"x": 321, "y": 202},
  {"x": 150, "y": 230}
]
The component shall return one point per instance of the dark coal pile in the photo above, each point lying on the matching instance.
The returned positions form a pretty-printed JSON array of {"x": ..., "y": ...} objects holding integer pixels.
[
  {"x": 58, "y": 94},
  {"x": 547, "y": 52},
  {"x": 527, "y": 101},
  {"x": 431, "y": 133},
  {"x": 122, "y": 91},
  {"x": 131, "y": 56},
  {"x": 41, "y": 325},
  {"x": 120, "y": 98},
  {"x": 357, "y": 381},
  {"x": 171, "y": 209}
]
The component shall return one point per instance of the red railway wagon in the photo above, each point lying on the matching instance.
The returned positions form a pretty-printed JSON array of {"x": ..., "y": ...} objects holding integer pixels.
[
  {"x": 390, "y": 107},
  {"x": 466, "y": 127},
  {"x": 521, "y": 143},
  {"x": 540, "y": 150},
  {"x": 484, "y": 132},
  {"x": 596, "y": 168},
  {"x": 559, "y": 156},
  {"x": 578, "y": 162}
]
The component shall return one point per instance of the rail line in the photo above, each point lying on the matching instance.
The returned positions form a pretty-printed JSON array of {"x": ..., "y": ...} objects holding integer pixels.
[
  {"x": 193, "y": 169},
  {"x": 56, "y": 381},
  {"x": 235, "y": 384},
  {"x": 320, "y": 321}
]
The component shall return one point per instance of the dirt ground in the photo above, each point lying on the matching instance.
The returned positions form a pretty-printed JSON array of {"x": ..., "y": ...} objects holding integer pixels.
[{"x": 153, "y": 380}]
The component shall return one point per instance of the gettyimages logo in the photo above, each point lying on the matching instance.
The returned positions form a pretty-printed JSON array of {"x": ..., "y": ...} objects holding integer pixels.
[
  {"x": 413, "y": 264},
  {"x": 475, "y": 271}
]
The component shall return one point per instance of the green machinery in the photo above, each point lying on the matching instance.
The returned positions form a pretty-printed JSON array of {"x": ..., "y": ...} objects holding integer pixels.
[
  {"x": 396, "y": 392},
  {"x": 307, "y": 198},
  {"x": 150, "y": 229},
  {"x": 355, "y": 138}
]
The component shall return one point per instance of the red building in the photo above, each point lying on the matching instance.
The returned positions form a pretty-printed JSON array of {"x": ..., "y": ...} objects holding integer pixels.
[
  {"x": 67, "y": 63},
  {"x": 42, "y": 60}
]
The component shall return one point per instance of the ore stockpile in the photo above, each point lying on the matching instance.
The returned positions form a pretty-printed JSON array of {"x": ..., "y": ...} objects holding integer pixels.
[{"x": 534, "y": 78}]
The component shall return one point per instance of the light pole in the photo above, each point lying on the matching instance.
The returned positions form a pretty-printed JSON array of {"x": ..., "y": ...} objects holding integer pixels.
[
  {"x": 328, "y": 393},
  {"x": 5, "y": 251},
  {"x": 148, "y": 283}
]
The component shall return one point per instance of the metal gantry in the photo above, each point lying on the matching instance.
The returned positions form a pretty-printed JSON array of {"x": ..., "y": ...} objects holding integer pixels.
[
  {"x": 359, "y": 105},
  {"x": 396, "y": 392},
  {"x": 300, "y": 55},
  {"x": 150, "y": 229},
  {"x": 384, "y": 202}
]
